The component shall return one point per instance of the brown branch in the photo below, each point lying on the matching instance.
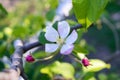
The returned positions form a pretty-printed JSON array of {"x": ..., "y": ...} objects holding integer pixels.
[
  {"x": 113, "y": 57},
  {"x": 16, "y": 68},
  {"x": 17, "y": 62},
  {"x": 30, "y": 46},
  {"x": 10, "y": 74},
  {"x": 78, "y": 26}
]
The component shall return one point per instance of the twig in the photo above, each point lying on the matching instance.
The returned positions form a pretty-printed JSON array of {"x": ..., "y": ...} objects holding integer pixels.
[
  {"x": 31, "y": 45},
  {"x": 114, "y": 56},
  {"x": 78, "y": 26},
  {"x": 74, "y": 58},
  {"x": 17, "y": 62}
]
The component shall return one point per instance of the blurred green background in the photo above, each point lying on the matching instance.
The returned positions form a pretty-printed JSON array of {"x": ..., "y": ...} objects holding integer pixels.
[{"x": 25, "y": 18}]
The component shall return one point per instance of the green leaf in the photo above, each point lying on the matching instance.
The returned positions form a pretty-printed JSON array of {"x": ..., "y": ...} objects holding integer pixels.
[
  {"x": 3, "y": 12},
  {"x": 96, "y": 65},
  {"x": 102, "y": 76},
  {"x": 92, "y": 78},
  {"x": 40, "y": 54},
  {"x": 71, "y": 22},
  {"x": 46, "y": 70},
  {"x": 20, "y": 31},
  {"x": 89, "y": 76},
  {"x": 50, "y": 14},
  {"x": 55, "y": 25},
  {"x": 8, "y": 31},
  {"x": 80, "y": 34},
  {"x": 65, "y": 69},
  {"x": 2, "y": 49},
  {"x": 1, "y": 35},
  {"x": 79, "y": 49},
  {"x": 2, "y": 66},
  {"x": 42, "y": 38},
  {"x": 54, "y": 4},
  {"x": 88, "y": 11},
  {"x": 81, "y": 55}
]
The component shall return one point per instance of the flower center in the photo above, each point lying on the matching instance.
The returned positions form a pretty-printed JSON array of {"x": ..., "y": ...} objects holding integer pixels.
[{"x": 60, "y": 41}]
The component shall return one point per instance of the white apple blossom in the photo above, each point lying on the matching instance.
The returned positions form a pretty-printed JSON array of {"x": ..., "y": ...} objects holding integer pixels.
[{"x": 61, "y": 38}]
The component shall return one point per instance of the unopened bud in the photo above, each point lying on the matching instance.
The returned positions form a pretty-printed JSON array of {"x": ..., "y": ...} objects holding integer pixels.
[
  {"x": 85, "y": 62},
  {"x": 29, "y": 58}
]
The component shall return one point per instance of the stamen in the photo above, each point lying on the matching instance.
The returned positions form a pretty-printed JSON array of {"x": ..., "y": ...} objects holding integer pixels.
[{"x": 60, "y": 41}]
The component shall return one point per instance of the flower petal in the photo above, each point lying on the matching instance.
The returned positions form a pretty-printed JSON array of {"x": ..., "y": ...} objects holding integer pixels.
[
  {"x": 66, "y": 49},
  {"x": 63, "y": 29},
  {"x": 51, "y": 34},
  {"x": 72, "y": 37},
  {"x": 51, "y": 47}
]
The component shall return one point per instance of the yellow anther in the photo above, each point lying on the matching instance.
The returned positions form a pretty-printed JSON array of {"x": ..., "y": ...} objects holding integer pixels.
[{"x": 60, "y": 41}]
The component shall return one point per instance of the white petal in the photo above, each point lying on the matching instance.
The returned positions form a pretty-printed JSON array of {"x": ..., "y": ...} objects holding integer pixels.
[
  {"x": 51, "y": 47},
  {"x": 51, "y": 34},
  {"x": 72, "y": 37},
  {"x": 64, "y": 7},
  {"x": 63, "y": 29},
  {"x": 66, "y": 49}
]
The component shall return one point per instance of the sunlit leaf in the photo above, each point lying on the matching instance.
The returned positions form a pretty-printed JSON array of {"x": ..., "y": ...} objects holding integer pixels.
[
  {"x": 8, "y": 31},
  {"x": 96, "y": 65},
  {"x": 47, "y": 70},
  {"x": 20, "y": 31},
  {"x": 92, "y": 78},
  {"x": 88, "y": 11},
  {"x": 81, "y": 55},
  {"x": 54, "y": 4},
  {"x": 65, "y": 69}
]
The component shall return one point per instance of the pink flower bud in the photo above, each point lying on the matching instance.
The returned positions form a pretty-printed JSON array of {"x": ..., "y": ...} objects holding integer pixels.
[
  {"x": 85, "y": 62},
  {"x": 30, "y": 58}
]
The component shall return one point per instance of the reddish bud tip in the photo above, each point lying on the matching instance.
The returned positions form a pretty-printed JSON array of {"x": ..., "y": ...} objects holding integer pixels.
[
  {"x": 30, "y": 58},
  {"x": 85, "y": 62}
]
